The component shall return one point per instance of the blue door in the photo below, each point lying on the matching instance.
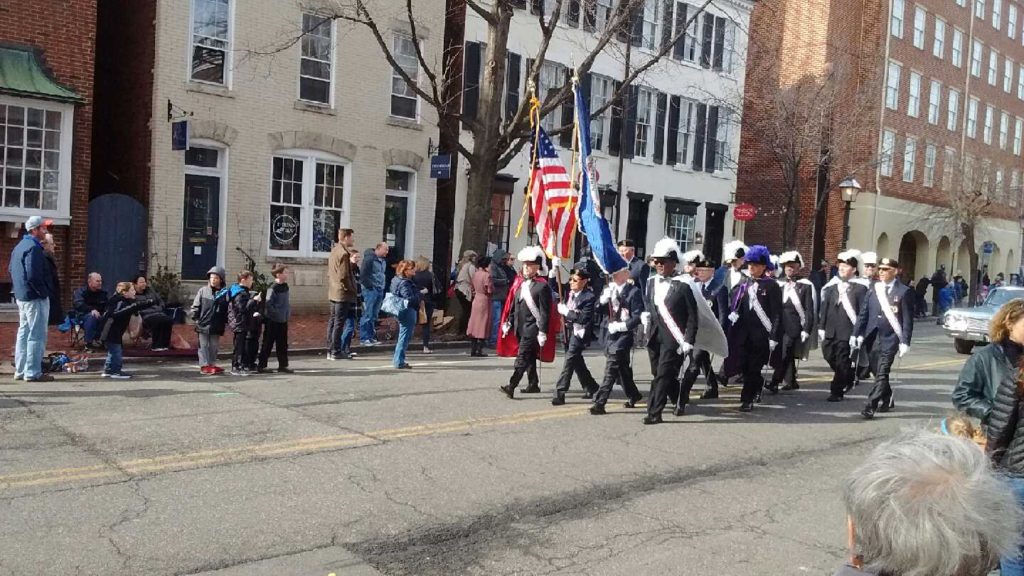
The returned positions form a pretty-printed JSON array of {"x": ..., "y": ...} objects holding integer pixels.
[{"x": 201, "y": 231}]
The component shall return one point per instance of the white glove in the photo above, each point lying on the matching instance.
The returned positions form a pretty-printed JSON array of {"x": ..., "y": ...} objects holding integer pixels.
[
  {"x": 685, "y": 348},
  {"x": 556, "y": 262},
  {"x": 563, "y": 309},
  {"x": 505, "y": 329},
  {"x": 904, "y": 348},
  {"x": 854, "y": 344},
  {"x": 616, "y": 327},
  {"x": 542, "y": 339},
  {"x": 821, "y": 334},
  {"x": 645, "y": 319},
  {"x": 733, "y": 317},
  {"x": 860, "y": 341},
  {"x": 804, "y": 336},
  {"x": 606, "y": 295},
  {"x": 771, "y": 345}
]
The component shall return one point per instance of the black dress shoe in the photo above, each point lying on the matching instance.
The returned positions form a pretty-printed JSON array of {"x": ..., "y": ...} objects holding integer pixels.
[
  {"x": 679, "y": 410},
  {"x": 535, "y": 389},
  {"x": 834, "y": 398},
  {"x": 888, "y": 407},
  {"x": 558, "y": 400},
  {"x": 631, "y": 403},
  {"x": 508, "y": 391},
  {"x": 286, "y": 370},
  {"x": 772, "y": 387},
  {"x": 868, "y": 413},
  {"x": 597, "y": 410},
  {"x": 757, "y": 399},
  {"x": 709, "y": 394},
  {"x": 789, "y": 387},
  {"x": 648, "y": 420},
  {"x": 588, "y": 394},
  {"x": 746, "y": 407}
]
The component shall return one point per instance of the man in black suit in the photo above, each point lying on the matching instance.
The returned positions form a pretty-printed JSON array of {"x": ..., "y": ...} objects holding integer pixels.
[
  {"x": 718, "y": 300},
  {"x": 797, "y": 322},
  {"x": 756, "y": 323},
  {"x": 841, "y": 300},
  {"x": 529, "y": 318},
  {"x": 578, "y": 311},
  {"x": 624, "y": 309},
  {"x": 885, "y": 324},
  {"x": 639, "y": 271}
]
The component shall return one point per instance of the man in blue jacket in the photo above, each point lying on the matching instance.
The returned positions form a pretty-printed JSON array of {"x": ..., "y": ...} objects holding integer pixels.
[
  {"x": 372, "y": 277},
  {"x": 33, "y": 284}
]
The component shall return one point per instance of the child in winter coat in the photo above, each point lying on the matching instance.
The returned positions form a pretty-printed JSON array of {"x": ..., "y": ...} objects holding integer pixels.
[
  {"x": 276, "y": 312},
  {"x": 209, "y": 312},
  {"x": 244, "y": 321},
  {"x": 119, "y": 313}
]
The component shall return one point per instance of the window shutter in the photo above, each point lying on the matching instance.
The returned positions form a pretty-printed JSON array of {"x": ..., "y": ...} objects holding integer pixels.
[
  {"x": 679, "y": 49},
  {"x": 536, "y": 6},
  {"x": 471, "y": 81},
  {"x": 512, "y": 86},
  {"x": 659, "y": 128},
  {"x": 673, "y": 131},
  {"x": 615, "y": 130},
  {"x": 636, "y": 36},
  {"x": 519, "y": 3},
  {"x": 589, "y": 15},
  {"x": 568, "y": 110},
  {"x": 719, "y": 43},
  {"x": 711, "y": 142},
  {"x": 585, "y": 88},
  {"x": 622, "y": 34},
  {"x": 629, "y": 126},
  {"x": 666, "y": 25},
  {"x": 707, "y": 41},
  {"x": 698, "y": 136},
  {"x": 573, "y": 15}
]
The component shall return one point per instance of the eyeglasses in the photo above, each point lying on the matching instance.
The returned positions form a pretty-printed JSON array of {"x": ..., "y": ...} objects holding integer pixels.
[
  {"x": 658, "y": 260},
  {"x": 575, "y": 279}
]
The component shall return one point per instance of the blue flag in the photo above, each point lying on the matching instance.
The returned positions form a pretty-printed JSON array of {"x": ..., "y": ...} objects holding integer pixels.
[{"x": 592, "y": 222}]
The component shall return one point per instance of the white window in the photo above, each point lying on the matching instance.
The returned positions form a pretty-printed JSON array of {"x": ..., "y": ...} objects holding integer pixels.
[
  {"x": 308, "y": 202},
  {"x": 993, "y": 66},
  {"x": 1014, "y": 187},
  {"x": 723, "y": 152},
  {"x": 1004, "y": 130},
  {"x": 909, "y": 159},
  {"x": 899, "y": 8},
  {"x": 953, "y": 111},
  {"x": 404, "y": 101},
  {"x": 1020, "y": 82},
  {"x": 989, "y": 120},
  {"x": 999, "y": 184},
  {"x": 892, "y": 86},
  {"x": 972, "y": 117},
  {"x": 1017, "y": 132},
  {"x": 211, "y": 41},
  {"x": 552, "y": 77},
  {"x": 887, "y": 152},
  {"x": 958, "y": 47},
  {"x": 602, "y": 13},
  {"x": 948, "y": 163},
  {"x": 939, "y": 46},
  {"x": 691, "y": 41},
  {"x": 929, "y": 165},
  {"x": 934, "y": 102},
  {"x": 600, "y": 94},
  {"x": 1011, "y": 21},
  {"x": 35, "y": 157},
  {"x": 684, "y": 139},
  {"x": 400, "y": 205},
  {"x": 1007, "y": 75},
  {"x": 643, "y": 147},
  {"x": 961, "y": 3},
  {"x": 976, "y": 50},
  {"x": 681, "y": 228},
  {"x": 914, "y": 100},
  {"x": 649, "y": 37},
  {"x": 920, "y": 17},
  {"x": 979, "y": 9},
  {"x": 997, "y": 14},
  {"x": 316, "y": 59}
]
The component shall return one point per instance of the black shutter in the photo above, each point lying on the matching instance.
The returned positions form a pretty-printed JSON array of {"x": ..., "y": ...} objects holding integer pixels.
[
  {"x": 568, "y": 110},
  {"x": 471, "y": 81},
  {"x": 679, "y": 49},
  {"x": 698, "y": 136},
  {"x": 719, "y": 43},
  {"x": 707, "y": 41},
  {"x": 666, "y": 25},
  {"x": 659, "y": 128},
  {"x": 637, "y": 35},
  {"x": 573, "y": 15},
  {"x": 589, "y": 15},
  {"x": 519, "y": 3},
  {"x": 712, "y": 140},
  {"x": 673, "y": 131},
  {"x": 536, "y": 6},
  {"x": 615, "y": 130},
  {"x": 629, "y": 126},
  {"x": 585, "y": 87},
  {"x": 622, "y": 34},
  {"x": 512, "y": 86}
]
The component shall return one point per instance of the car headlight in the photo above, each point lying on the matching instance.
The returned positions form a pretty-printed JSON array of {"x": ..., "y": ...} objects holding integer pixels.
[{"x": 955, "y": 322}]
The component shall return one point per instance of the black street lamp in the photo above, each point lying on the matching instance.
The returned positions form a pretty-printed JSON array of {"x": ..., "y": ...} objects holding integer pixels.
[{"x": 849, "y": 188}]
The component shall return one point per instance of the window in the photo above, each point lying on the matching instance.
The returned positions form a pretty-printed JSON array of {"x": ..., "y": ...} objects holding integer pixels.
[
  {"x": 552, "y": 77},
  {"x": 602, "y": 13},
  {"x": 688, "y": 48},
  {"x": 404, "y": 101},
  {"x": 899, "y": 8},
  {"x": 35, "y": 157},
  {"x": 211, "y": 41},
  {"x": 967, "y": 179},
  {"x": 887, "y": 152},
  {"x": 997, "y": 14},
  {"x": 1020, "y": 81},
  {"x": 948, "y": 163},
  {"x": 939, "y": 46},
  {"x": 999, "y": 184},
  {"x": 1014, "y": 187},
  {"x": 934, "y": 102},
  {"x": 500, "y": 222},
  {"x": 315, "y": 60},
  {"x": 1017, "y": 127},
  {"x": 993, "y": 66},
  {"x": 920, "y": 17},
  {"x": 307, "y": 203},
  {"x": 909, "y": 158},
  {"x": 681, "y": 222},
  {"x": 1007, "y": 75},
  {"x": 1004, "y": 130},
  {"x": 649, "y": 37},
  {"x": 600, "y": 94},
  {"x": 961, "y": 3},
  {"x": 684, "y": 139},
  {"x": 976, "y": 50},
  {"x": 989, "y": 119},
  {"x": 972, "y": 117},
  {"x": 1011, "y": 21},
  {"x": 722, "y": 150},
  {"x": 957, "y": 53},
  {"x": 953, "y": 112},
  {"x": 914, "y": 100},
  {"x": 644, "y": 116},
  {"x": 929, "y": 165},
  {"x": 892, "y": 86},
  {"x": 979, "y": 9}
]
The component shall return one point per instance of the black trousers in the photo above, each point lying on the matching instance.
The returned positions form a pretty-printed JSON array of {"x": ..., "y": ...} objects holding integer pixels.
[
  {"x": 754, "y": 354},
  {"x": 883, "y": 354},
  {"x": 666, "y": 378},
  {"x": 275, "y": 335},
  {"x": 526, "y": 362},
  {"x": 837, "y": 354},
  {"x": 617, "y": 369},
  {"x": 335, "y": 324},
  {"x": 159, "y": 326},
  {"x": 244, "y": 354},
  {"x": 575, "y": 363},
  {"x": 785, "y": 360},
  {"x": 701, "y": 362}
]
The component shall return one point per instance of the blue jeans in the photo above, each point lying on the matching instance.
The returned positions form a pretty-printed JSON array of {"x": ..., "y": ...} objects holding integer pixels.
[
  {"x": 115, "y": 359},
  {"x": 496, "y": 307},
  {"x": 372, "y": 299},
  {"x": 1014, "y": 565},
  {"x": 31, "y": 341},
  {"x": 92, "y": 326},
  {"x": 348, "y": 331},
  {"x": 406, "y": 324},
  {"x": 429, "y": 309}
]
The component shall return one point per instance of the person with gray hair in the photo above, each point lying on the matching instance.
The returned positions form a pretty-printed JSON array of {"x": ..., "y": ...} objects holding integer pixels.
[{"x": 928, "y": 505}]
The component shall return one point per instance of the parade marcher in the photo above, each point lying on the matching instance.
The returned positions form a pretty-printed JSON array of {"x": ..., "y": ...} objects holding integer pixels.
[
  {"x": 717, "y": 300},
  {"x": 578, "y": 311},
  {"x": 885, "y": 325},
  {"x": 671, "y": 321},
  {"x": 798, "y": 321},
  {"x": 624, "y": 312},
  {"x": 529, "y": 319},
  {"x": 730, "y": 275},
  {"x": 755, "y": 311},
  {"x": 639, "y": 271},
  {"x": 868, "y": 277},
  {"x": 841, "y": 299}
]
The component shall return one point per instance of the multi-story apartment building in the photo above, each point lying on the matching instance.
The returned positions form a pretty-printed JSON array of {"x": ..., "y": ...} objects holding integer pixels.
[
  {"x": 298, "y": 127},
  {"x": 665, "y": 160},
  {"x": 946, "y": 121}
]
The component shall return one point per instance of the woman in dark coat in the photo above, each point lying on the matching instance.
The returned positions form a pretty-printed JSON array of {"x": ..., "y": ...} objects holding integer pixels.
[
  {"x": 154, "y": 319},
  {"x": 56, "y": 310}
]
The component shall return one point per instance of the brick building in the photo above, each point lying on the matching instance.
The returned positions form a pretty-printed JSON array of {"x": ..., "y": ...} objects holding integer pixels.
[
  {"x": 929, "y": 103},
  {"x": 47, "y": 54}
]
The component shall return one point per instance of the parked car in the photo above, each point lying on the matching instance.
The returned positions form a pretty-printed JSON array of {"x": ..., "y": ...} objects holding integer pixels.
[{"x": 968, "y": 327}]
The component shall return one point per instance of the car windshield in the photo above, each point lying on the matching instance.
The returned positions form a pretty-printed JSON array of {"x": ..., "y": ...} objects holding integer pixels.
[{"x": 999, "y": 297}]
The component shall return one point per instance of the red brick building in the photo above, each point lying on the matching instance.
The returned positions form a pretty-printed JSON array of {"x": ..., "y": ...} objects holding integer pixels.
[
  {"x": 920, "y": 101},
  {"x": 47, "y": 56}
]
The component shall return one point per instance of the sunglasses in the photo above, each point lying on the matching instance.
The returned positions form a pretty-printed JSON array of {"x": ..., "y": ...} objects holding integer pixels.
[
  {"x": 886, "y": 268},
  {"x": 659, "y": 260}
]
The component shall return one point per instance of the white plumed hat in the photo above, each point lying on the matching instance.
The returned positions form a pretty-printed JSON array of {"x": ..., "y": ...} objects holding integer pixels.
[
  {"x": 666, "y": 248},
  {"x": 849, "y": 257},
  {"x": 790, "y": 257},
  {"x": 693, "y": 256},
  {"x": 531, "y": 255},
  {"x": 733, "y": 250}
]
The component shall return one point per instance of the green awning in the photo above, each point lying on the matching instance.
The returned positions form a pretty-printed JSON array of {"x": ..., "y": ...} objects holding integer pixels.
[{"x": 22, "y": 74}]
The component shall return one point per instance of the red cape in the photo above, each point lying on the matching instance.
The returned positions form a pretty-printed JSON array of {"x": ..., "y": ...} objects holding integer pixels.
[{"x": 508, "y": 345}]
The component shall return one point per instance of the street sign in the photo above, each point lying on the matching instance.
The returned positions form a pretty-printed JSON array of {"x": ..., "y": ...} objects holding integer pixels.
[
  {"x": 179, "y": 135},
  {"x": 744, "y": 212},
  {"x": 441, "y": 166},
  {"x": 988, "y": 247}
]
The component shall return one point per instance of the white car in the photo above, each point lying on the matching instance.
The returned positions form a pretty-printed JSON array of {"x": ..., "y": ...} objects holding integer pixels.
[{"x": 968, "y": 327}]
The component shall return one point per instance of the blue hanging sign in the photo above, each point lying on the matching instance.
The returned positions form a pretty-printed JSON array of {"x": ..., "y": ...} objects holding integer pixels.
[
  {"x": 441, "y": 166},
  {"x": 179, "y": 135}
]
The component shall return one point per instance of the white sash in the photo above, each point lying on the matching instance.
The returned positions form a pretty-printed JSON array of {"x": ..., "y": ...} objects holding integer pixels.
[
  {"x": 666, "y": 316},
  {"x": 755, "y": 305},
  {"x": 524, "y": 291},
  {"x": 794, "y": 297},
  {"x": 844, "y": 299},
  {"x": 577, "y": 330},
  {"x": 883, "y": 302}
]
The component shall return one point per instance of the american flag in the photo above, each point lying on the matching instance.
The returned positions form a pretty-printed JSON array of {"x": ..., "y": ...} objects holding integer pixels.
[{"x": 553, "y": 200}]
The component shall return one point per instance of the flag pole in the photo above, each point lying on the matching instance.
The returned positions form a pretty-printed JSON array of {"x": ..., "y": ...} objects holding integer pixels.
[{"x": 534, "y": 123}]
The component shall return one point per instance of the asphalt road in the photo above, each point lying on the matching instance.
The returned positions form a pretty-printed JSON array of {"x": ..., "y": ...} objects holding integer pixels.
[{"x": 353, "y": 468}]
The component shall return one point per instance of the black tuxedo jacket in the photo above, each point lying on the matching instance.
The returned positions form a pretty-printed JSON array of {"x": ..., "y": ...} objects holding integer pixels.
[
  {"x": 769, "y": 294},
  {"x": 832, "y": 316},
  {"x": 681, "y": 307},
  {"x": 872, "y": 319},
  {"x": 523, "y": 319}
]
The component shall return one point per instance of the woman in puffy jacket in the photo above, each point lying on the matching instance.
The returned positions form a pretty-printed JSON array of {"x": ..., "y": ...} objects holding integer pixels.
[
  {"x": 990, "y": 365},
  {"x": 403, "y": 287}
]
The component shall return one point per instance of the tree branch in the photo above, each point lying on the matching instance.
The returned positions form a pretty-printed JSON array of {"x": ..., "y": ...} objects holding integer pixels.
[{"x": 482, "y": 13}]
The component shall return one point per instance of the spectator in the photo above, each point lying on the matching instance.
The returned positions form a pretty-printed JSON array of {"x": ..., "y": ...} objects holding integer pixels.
[
  {"x": 341, "y": 291},
  {"x": 502, "y": 276},
  {"x": 480, "y": 315},
  {"x": 938, "y": 283},
  {"x": 349, "y": 329},
  {"x": 1005, "y": 444},
  {"x": 403, "y": 287},
  {"x": 33, "y": 286},
  {"x": 961, "y": 288},
  {"x": 116, "y": 317},
  {"x": 921, "y": 290},
  {"x": 372, "y": 275},
  {"x": 153, "y": 316},
  {"x": 56, "y": 315},
  {"x": 1000, "y": 280},
  {"x": 464, "y": 287},
  {"x": 928, "y": 505},
  {"x": 989, "y": 365},
  {"x": 821, "y": 276},
  {"x": 90, "y": 303},
  {"x": 424, "y": 281},
  {"x": 244, "y": 322},
  {"x": 275, "y": 321},
  {"x": 210, "y": 313}
]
